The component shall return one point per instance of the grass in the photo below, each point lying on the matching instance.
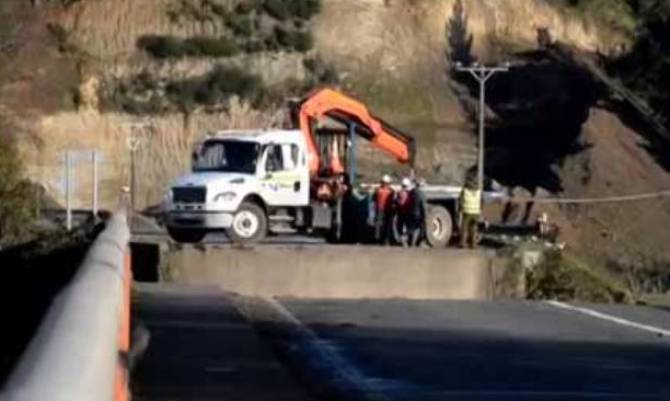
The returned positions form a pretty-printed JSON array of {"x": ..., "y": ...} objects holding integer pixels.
[
  {"x": 616, "y": 15},
  {"x": 567, "y": 277},
  {"x": 164, "y": 152}
]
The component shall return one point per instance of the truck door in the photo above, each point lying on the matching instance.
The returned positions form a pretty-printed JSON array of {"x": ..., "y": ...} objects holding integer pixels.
[{"x": 286, "y": 178}]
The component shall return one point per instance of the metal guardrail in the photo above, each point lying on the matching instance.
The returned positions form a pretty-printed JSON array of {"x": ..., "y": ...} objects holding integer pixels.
[{"x": 78, "y": 351}]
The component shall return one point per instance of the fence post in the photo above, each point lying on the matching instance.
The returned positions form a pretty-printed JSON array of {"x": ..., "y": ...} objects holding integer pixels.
[
  {"x": 68, "y": 190},
  {"x": 94, "y": 161}
]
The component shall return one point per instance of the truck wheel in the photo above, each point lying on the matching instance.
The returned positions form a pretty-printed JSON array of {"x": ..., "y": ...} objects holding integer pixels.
[
  {"x": 439, "y": 226},
  {"x": 186, "y": 235},
  {"x": 250, "y": 224}
]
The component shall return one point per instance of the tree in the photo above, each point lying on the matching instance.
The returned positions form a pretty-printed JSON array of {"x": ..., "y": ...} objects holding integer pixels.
[
  {"x": 646, "y": 69},
  {"x": 458, "y": 39}
]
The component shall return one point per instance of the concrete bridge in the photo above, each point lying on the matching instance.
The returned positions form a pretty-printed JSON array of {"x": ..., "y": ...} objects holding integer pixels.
[{"x": 321, "y": 322}]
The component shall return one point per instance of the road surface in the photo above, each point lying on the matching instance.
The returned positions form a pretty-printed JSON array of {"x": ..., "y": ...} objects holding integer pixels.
[
  {"x": 202, "y": 349},
  {"x": 446, "y": 350}
]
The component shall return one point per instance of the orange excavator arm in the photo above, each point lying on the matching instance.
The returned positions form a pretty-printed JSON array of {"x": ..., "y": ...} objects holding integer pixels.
[{"x": 341, "y": 108}]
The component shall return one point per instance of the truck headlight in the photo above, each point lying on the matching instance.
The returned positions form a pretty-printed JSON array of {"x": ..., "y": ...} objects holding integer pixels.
[{"x": 225, "y": 197}]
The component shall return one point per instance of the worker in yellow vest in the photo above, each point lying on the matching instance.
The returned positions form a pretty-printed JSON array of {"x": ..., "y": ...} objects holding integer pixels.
[{"x": 471, "y": 209}]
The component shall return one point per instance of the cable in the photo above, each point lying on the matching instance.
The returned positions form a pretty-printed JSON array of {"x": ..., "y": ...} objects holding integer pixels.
[{"x": 609, "y": 199}]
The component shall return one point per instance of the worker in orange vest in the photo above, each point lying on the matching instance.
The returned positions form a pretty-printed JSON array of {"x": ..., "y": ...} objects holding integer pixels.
[{"x": 383, "y": 201}]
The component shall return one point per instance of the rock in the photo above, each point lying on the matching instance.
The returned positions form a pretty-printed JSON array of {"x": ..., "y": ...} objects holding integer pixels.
[
  {"x": 542, "y": 193},
  {"x": 88, "y": 94},
  {"x": 520, "y": 192}
]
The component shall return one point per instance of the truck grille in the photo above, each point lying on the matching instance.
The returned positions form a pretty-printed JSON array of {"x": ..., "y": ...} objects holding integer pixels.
[{"x": 189, "y": 195}]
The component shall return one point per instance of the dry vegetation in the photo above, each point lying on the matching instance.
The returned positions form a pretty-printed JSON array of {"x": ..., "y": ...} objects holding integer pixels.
[{"x": 164, "y": 152}]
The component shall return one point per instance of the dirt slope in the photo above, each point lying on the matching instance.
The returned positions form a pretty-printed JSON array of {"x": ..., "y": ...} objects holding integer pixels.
[{"x": 616, "y": 163}]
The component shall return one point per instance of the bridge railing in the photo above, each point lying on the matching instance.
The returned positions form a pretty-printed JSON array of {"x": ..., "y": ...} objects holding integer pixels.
[{"x": 78, "y": 352}]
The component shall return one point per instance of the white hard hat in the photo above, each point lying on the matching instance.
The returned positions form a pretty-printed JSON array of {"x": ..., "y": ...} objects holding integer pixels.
[
  {"x": 386, "y": 179},
  {"x": 406, "y": 182}
]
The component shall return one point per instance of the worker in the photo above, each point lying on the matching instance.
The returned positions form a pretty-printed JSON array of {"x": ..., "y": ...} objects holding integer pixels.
[
  {"x": 471, "y": 208},
  {"x": 418, "y": 213},
  {"x": 403, "y": 208},
  {"x": 383, "y": 202}
]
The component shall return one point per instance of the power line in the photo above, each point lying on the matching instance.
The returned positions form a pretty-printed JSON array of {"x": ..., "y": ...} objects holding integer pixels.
[{"x": 606, "y": 199}]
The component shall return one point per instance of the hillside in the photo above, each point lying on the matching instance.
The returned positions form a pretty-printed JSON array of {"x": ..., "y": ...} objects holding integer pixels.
[{"x": 79, "y": 74}]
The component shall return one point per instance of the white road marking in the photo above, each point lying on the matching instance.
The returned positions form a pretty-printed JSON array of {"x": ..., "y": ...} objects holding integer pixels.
[
  {"x": 353, "y": 377},
  {"x": 610, "y": 318}
]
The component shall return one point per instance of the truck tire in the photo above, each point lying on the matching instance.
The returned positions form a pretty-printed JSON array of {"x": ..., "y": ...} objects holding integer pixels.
[
  {"x": 186, "y": 235},
  {"x": 439, "y": 226},
  {"x": 250, "y": 224}
]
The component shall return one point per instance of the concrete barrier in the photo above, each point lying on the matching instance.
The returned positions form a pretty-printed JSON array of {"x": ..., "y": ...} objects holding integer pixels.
[
  {"x": 338, "y": 271},
  {"x": 75, "y": 354}
]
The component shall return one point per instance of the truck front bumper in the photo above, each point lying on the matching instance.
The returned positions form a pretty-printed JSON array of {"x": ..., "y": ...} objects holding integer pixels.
[{"x": 205, "y": 220}]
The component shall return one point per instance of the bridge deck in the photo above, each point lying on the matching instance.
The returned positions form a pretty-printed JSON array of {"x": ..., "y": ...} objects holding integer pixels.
[{"x": 201, "y": 349}]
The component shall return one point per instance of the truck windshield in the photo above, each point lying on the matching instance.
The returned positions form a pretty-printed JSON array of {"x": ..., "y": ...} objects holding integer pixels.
[{"x": 227, "y": 156}]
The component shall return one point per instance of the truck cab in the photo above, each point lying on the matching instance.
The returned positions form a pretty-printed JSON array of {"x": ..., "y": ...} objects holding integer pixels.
[{"x": 240, "y": 180}]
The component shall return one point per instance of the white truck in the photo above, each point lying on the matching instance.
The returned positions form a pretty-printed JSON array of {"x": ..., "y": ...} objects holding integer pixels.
[
  {"x": 241, "y": 182},
  {"x": 249, "y": 183}
]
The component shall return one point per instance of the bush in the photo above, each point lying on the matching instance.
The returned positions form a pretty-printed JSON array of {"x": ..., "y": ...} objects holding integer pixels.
[
  {"x": 247, "y": 6},
  {"x": 293, "y": 39},
  {"x": 284, "y": 9},
  {"x": 323, "y": 73},
  {"x": 254, "y": 46},
  {"x": 567, "y": 278},
  {"x": 277, "y": 9},
  {"x": 302, "y": 41},
  {"x": 18, "y": 204},
  {"x": 161, "y": 46},
  {"x": 214, "y": 88},
  {"x": 234, "y": 81},
  {"x": 210, "y": 47},
  {"x": 304, "y": 9},
  {"x": 241, "y": 25},
  {"x": 200, "y": 46}
]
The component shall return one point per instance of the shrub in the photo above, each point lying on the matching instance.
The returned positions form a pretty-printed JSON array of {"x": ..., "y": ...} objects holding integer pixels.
[
  {"x": 214, "y": 88},
  {"x": 247, "y": 6},
  {"x": 323, "y": 73},
  {"x": 219, "y": 9},
  {"x": 241, "y": 25},
  {"x": 17, "y": 199},
  {"x": 565, "y": 277},
  {"x": 284, "y": 9},
  {"x": 293, "y": 39},
  {"x": 200, "y": 46},
  {"x": 302, "y": 41},
  {"x": 277, "y": 9},
  {"x": 234, "y": 81},
  {"x": 161, "y": 46},
  {"x": 254, "y": 46},
  {"x": 210, "y": 47},
  {"x": 304, "y": 9}
]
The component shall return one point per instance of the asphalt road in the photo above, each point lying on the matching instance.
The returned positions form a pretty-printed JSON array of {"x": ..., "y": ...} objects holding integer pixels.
[
  {"x": 446, "y": 350},
  {"x": 201, "y": 349},
  {"x": 209, "y": 345}
]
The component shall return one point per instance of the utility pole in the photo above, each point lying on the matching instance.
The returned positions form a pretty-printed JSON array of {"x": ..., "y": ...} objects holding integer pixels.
[
  {"x": 134, "y": 141},
  {"x": 68, "y": 190},
  {"x": 481, "y": 73}
]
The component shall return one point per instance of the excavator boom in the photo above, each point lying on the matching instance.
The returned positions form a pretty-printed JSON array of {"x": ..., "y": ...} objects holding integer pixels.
[{"x": 343, "y": 109}]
